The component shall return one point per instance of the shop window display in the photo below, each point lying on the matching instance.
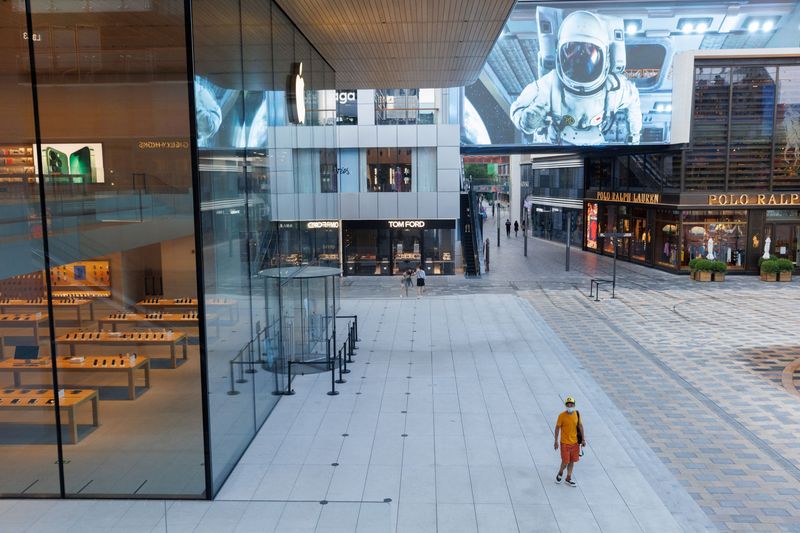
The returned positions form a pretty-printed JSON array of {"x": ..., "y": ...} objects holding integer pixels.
[
  {"x": 389, "y": 169},
  {"x": 725, "y": 231},
  {"x": 666, "y": 238},
  {"x": 592, "y": 233}
]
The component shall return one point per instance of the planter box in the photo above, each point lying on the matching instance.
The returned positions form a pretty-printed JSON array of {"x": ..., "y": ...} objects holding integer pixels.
[
  {"x": 719, "y": 276},
  {"x": 784, "y": 276},
  {"x": 769, "y": 277},
  {"x": 702, "y": 276}
]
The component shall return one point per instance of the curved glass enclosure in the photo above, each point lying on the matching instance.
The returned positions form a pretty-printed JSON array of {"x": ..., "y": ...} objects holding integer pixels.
[{"x": 305, "y": 328}]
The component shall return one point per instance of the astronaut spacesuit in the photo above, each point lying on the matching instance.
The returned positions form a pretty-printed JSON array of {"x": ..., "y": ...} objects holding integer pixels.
[{"x": 581, "y": 101}]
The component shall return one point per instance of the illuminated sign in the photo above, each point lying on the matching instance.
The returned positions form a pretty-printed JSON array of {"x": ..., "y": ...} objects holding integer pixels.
[
  {"x": 295, "y": 95},
  {"x": 629, "y": 197},
  {"x": 402, "y": 224},
  {"x": 323, "y": 224},
  {"x": 754, "y": 199},
  {"x": 345, "y": 96}
]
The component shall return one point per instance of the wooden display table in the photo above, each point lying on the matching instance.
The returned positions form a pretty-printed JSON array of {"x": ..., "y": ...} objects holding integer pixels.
[
  {"x": 91, "y": 363},
  {"x": 28, "y": 320},
  {"x": 43, "y": 399},
  {"x": 108, "y": 338},
  {"x": 186, "y": 320},
  {"x": 156, "y": 304},
  {"x": 41, "y": 303}
]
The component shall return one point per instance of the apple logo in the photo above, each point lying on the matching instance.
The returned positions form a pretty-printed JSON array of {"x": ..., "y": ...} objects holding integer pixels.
[{"x": 296, "y": 95}]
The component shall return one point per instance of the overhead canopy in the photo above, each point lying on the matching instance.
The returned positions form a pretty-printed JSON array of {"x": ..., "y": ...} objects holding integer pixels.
[{"x": 401, "y": 43}]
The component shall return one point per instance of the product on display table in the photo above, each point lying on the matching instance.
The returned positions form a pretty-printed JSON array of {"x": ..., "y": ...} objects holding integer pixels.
[
  {"x": 41, "y": 303},
  {"x": 43, "y": 399},
  {"x": 28, "y": 320},
  {"x": 127, "y": 363},
  {"x": 189, "y": 319},
  {"x": 142, "y": 338},
  {"x": 150, "y": 304},
  {"x": 84, "y": 294}
]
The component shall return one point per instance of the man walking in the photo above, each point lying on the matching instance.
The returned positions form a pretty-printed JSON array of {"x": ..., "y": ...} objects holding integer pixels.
[
  {"x": 572, "y": 438},
  {"x": 508, "y": 228},
  {"x": 516, "y": 229}
]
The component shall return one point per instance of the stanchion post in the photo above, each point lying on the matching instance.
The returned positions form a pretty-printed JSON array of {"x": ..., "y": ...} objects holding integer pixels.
[
  {"x": 358, "y": 339},
  {"x": 341, "y": 379},
  {"x": 333, "y": 391},
  {"x": 233, "y": 391}
]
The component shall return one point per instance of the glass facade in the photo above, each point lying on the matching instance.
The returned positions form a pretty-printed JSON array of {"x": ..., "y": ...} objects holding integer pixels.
[{"x": 142, "y": 195}]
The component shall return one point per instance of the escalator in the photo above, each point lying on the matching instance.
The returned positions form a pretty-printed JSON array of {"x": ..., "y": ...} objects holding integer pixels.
[{"x": 470, "y": 233}]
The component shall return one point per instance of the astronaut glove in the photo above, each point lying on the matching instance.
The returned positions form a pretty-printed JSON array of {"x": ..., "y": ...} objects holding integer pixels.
[{"x": 533, "y": 117}]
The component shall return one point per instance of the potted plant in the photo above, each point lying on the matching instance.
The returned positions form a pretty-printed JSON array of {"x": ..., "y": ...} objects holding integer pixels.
[
  {"x": 719, "y": 270},
  {"x": 769, "y": 269},
  {"x": 701, "y": 269},
  {"x": 785, "y": 268}
]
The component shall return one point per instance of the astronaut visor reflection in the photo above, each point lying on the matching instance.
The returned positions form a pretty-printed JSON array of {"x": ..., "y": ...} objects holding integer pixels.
[{"x": 581, "y": 62}]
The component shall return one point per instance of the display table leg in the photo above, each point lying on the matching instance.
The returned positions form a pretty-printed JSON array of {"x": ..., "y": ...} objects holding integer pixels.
[
  {"x": 91, "y": 310},
  {"x": 131, "y": 385},
  {"x": 173, "y": 356},
  {"x": 96, "y": 411},
  {"x": 186, "y": 347},
  {"x": 17, "y": 379},
  {"x": 147, "y": 375},
  {"x": 72, "y": 349},
  {"x": 80, "y": 316},
  {"x": 73, "y": 424}
]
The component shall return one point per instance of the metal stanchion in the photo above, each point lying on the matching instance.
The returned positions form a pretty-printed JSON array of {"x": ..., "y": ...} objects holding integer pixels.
[
  {"x": 333, "y": 391},
  {"x": 341, "y": 379},
  {"x": 233, "y": 391},
  {"x": 358, "y": 339},
  {"x": 241, "y": 368}
]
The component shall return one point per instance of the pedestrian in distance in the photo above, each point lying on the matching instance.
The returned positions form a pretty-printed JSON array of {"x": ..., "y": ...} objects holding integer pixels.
[
  {"x": 508, "y": 228},
  {"x": 572, "y": 438},
  {"x": 405, "y": 283},
  {"x": 516, "y": 229},
  {"x": 420, "y": 281}
]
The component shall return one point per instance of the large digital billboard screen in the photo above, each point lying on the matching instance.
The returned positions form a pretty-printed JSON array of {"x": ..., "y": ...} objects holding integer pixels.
[{"x": 600, "y": 73}]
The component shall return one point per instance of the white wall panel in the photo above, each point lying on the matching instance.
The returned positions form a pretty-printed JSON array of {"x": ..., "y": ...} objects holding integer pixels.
[
  {"x": 367, "y": 136},
  {"x": 387, "y": 204},
  {"x": 426, "y": 135},
  {"x": 368, "y": 205},
  {"x": 387, "y": 136},
  {"x": 407, "y": 205},
  {"x": 406, "y": 135},
  {"x": 448, "y": 205},
  {"x": 427, "y": 204},
  {"x": 449, "y": 135},
  {"x": 449, "y": 180},
  {"x": 348, "y": 206},
  {"x": 448, "y": 157}
]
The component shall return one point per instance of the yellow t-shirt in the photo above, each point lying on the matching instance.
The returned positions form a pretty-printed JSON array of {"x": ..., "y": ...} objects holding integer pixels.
[{"x": 569, "y": 427}]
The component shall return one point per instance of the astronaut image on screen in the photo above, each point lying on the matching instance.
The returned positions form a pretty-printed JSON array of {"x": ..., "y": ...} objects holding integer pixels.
[{"x": 582, "y": 96}]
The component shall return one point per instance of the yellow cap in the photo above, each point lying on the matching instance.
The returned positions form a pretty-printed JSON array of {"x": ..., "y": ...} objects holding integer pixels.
[{"x": 569, "y": 399}]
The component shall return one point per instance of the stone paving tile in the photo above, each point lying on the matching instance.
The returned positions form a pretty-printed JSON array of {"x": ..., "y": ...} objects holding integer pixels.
[{"x": 696, "y": 368}]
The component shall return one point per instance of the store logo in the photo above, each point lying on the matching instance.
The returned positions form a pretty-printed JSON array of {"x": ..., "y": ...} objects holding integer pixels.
[
  {"x": 323, "y": 224},
  {"x": 344, "y": 97},
  {"x": 754, "y": 199},
  {"x": 401, "y": 224},
  {"x": 296, "y": 95}
]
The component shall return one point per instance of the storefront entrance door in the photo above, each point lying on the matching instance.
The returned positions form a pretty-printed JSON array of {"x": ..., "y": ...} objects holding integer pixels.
[{"x": 786, "y": 241}]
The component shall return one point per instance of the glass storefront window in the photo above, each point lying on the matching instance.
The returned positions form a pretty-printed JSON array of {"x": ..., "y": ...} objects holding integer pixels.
[
  {"x": 641, "y": 238},
  {"x": 405, "y": 106},
  {"x": 592, "y": 233},
  {"x": 726, "y": 231},
  {"x": 406, "y": 249},
  {"x": 783, "y": 228},
  {"x": 438, "y": 252},
  {"x": 608, "y": 224},
  {"x": 389, "y": 169},
  {"x": 666, "y": 238}
]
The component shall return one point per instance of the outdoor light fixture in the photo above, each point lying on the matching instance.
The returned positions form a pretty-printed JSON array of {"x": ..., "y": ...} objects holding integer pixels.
[
  {"x": 695, "y": 25},
  {"x": 633, "y": 26},
  {"x": 765, "y": 24}
]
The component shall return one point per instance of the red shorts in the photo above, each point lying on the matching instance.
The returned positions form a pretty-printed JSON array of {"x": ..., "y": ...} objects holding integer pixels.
[{"x": 570, "y": 453}]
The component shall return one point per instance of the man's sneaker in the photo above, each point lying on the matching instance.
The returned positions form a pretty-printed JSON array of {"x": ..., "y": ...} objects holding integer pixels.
[
  {"x": 558, "y": 478},
  {"x": 571, "y": 483}
]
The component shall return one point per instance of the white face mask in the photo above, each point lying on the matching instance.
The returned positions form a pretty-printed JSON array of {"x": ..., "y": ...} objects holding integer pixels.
[{"x": 570, "y": 410}]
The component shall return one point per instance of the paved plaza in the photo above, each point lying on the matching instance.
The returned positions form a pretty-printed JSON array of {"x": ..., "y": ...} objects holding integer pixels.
[{"x": 688, "y": 392}]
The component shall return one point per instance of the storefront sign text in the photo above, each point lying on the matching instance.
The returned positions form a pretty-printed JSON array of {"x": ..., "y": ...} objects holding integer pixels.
[
  {"x": 754, "y": 199},
  {"x": 163, "y": 145},
  {"x": 323, "y": 224},
  {"x": 406, "y": 223},
  {"x": 629, "y": 197}
]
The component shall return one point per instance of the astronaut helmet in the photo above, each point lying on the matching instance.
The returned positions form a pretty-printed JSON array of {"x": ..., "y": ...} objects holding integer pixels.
[{"x": 582, "y": 63}]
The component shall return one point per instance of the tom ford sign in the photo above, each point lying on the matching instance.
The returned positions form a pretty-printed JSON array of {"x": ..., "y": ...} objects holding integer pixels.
[
  {"x": 406, "y": 223},
  {"x": 754, "y": 199},
  {"x": 629, "y": 197}
]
